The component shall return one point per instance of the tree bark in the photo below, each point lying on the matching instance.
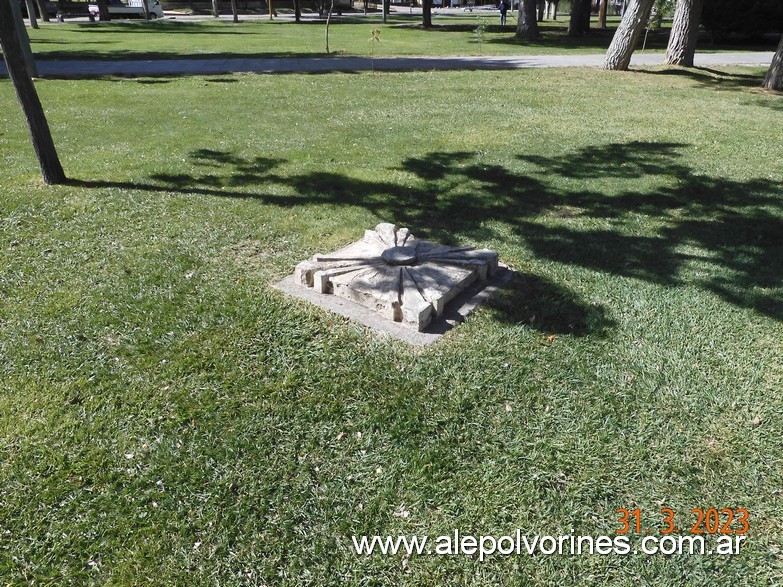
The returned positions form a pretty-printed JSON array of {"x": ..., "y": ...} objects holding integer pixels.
[
  {"x": 618, "y": 56},
  {"x": 328, "y": 19},
  {"x": 541, "y": 6},
  {"x": 24, "y": 40},
  {"x": 426, "y": 14},
  {"x": 576, "y": 22},
  {"x": 40, "y": 134},
  {"x": 774, "y": 78},
  {"x": 587, "y": 9},
  {"x": 216, "y": 8},
  {"x": 527, "y": 25},
  {"x": 297, "y": 11},
  {"x": 685, "y": 33},
  {"x": 103, "y": 11},
  {"x": 44, "y": 14},
  {"x": 31, "y": 14},
  {"x": 146, "y": 8},
  {"x": 602, "y": 14},
  {"x": 234, "y": 10}
]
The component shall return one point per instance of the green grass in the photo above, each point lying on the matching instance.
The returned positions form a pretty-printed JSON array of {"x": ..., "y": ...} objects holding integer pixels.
[
  {"x": 452, "y": 35},
  {"x": 168, "y": 418}
]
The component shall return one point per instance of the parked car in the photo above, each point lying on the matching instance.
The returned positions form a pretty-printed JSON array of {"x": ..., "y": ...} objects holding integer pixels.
[{"x": 130, "y": 9}]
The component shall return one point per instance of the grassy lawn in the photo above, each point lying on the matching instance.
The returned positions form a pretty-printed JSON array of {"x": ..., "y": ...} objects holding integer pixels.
[
  {"x": 166, "y": 418},
  {"x": 452, "y": 35}
]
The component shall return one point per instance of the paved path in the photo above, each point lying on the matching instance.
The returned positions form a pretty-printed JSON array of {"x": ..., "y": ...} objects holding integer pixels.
[{"x": 175, "y": 67}]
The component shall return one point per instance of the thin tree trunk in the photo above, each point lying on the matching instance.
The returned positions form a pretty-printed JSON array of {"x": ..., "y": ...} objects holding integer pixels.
[
  {"x": 297, "y": 11},
  {"x": 540, "y": 5},
  {"x": 774, "y": 78},
  {"x": 328, "y": 18},
  {"x": 602, "y": 14},
  {"x": 103, "y": 11},
  {"x": 31, "y": 14},
  {"x": 216, "y": 8},
  {"x": 618, "y": 56},
  {"x": 44, "y": 14},
  {"x": 146, "y": 9},
  {"x": 685, "y": 33},
  {"x": 384, "y": 9},
  {"x": 234, "y": 10},
  {"x": 40, "y": 134},
  {"x": 527, "y": 26}
]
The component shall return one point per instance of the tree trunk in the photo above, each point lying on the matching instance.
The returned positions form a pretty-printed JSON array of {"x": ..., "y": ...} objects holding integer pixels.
[
  {"x": 685, "y": 33},
  {"x": 527, "y": 26},
  {"x": 587, "y": 8},
  {"x": 385, "y": 9},
  {"x": 146, "y": 8},
  {"x": 328, "y": 19},
  {"x": 103, "y": 11},
  {"x": 216, "y": 8},
  {"x": 426, "y": 14},
  {"x": 576, "y": 21},
  {"x": 24, "y": 40},
  {"x": 40, "y": 134},
  {"x": 234, "y": 10},
  {"x": 31, "y": 14},
  {"x": 297, "y": 11},
  {"x": 43, "y": 13},
  {"x": 618, "y": 56},
  {"x": 774, "y": 78},
  {"x": 541, "y": 5},
  {"x": 602, "y": 14}
]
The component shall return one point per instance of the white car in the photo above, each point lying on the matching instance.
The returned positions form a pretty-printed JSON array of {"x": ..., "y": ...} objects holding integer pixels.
[{"x": 130, "y": 9}]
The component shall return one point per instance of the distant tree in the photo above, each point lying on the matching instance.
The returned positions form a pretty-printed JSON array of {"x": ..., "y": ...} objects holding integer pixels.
[
  {"x": 103, "y": 10},
  {"x": 41, "y": 136},
  {"x": 618, "y": 56},
  {"x": 774, "y": 78},
  {"x": 527, "y": 25},
  {"x": 579, "y": 23},
  {"x": 31, "y": 14},
  {"x": 298, "y": 10},
  {"x": 42, "y": 10},
  {"x": 426, "y": 14},
  {"x": 685, "y": 33},
  {"x": 602, "y": 14}
]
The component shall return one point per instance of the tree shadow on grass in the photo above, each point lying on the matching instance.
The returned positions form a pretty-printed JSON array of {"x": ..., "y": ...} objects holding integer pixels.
[
  {"x": 711, "y": 78},
  {"x": 718, "y": 234}
]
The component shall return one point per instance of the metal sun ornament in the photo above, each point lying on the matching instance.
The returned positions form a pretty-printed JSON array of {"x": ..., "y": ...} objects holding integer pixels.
[{"x": 389, "y": 271}]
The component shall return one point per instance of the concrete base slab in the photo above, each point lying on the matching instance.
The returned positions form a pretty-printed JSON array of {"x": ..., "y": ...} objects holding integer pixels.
[{"x": 455, "y": 312}]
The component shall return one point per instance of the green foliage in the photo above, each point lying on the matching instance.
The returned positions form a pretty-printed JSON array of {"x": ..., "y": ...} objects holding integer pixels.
[{"x": 751, "y": 18}]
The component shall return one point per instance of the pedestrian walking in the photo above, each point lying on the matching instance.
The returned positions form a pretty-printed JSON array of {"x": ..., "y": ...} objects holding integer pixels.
[{"x": 503, "y": 9}]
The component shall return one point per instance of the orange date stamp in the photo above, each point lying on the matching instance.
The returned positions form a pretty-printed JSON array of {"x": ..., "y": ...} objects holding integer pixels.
[{"x": 702, "y": 521}]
